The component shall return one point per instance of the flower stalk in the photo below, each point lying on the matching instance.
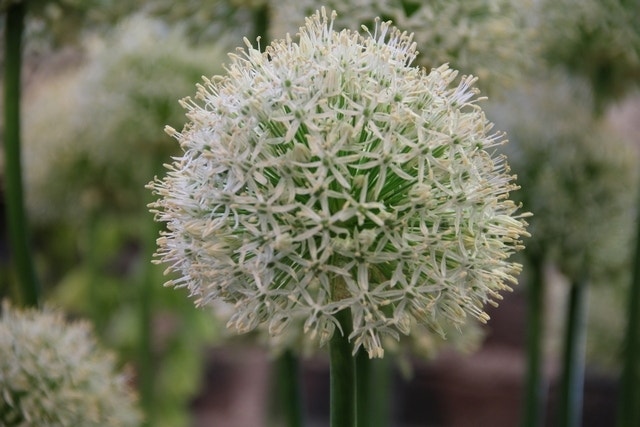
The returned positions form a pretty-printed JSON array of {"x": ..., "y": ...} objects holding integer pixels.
[
  {"x": 290, "y": 395},
  {"x": 629, "y": 402},
  {"x": 373, "y": 390},
  {"x": 145, "y": 347},
  {"x": 535, "y": 384},
  {"x": 16, "y": 216},
  {"x": 342, "y": 375},
  {"x": 146, "y": 361},
  {"x": 573, "y": 358}
]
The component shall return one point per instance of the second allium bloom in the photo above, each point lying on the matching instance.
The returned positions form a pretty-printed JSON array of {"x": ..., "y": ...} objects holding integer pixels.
[{"x": 330, "y": 174}]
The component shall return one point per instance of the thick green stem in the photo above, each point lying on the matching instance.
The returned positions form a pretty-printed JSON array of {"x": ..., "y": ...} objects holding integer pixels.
[
  {"x": 342, "y": 375},
  {"x": 629, "y": 402},
  {"x": 16, "y": 217},
  {"x": 373, "y": 378},
  {"x": 534, "y": 381},
  {"x": 290, "y": 395},
  {"x": 572, "y": 381}
]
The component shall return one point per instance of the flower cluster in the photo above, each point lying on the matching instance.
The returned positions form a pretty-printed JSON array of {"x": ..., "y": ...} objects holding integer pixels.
[
  {"x": 330, "y": 174},
  {"x": 577, "y": 176},
  {"x": 598, "y": 40},
  {"x": 53, "y": 373},
  {"x": 82, "y": 125}
]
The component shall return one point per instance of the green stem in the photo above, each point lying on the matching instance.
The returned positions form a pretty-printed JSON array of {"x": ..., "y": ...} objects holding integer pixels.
[
  {"x": 572, "y": 381},
  {"x": 16, "y": 217},
  {"x": 93, "y": 262},
  {"x": 289, "y": 389},
  {"x": 146, "y": 360},
  {"x": 342, "y": 375},
  {"x": 629, "y": 402},
  {"x": 261, "y": 24},
  {"x": 373, "y": 385},
  {"x": 534, "y": 380}
]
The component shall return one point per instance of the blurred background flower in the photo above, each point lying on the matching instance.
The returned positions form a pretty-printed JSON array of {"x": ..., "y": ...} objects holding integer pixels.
[
  {"x": 597, "y": 40},
  {"x": 489, "y": 39},
  {"x": 129, "y": 81},
  {"x": 574, "y": 171},
  {"x": 55, "y": 373}
]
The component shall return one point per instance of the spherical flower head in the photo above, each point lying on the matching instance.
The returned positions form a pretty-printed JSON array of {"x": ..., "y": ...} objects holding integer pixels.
[
  {"x": 330, "y": 174},
  {"x": 54, "y": 373}
]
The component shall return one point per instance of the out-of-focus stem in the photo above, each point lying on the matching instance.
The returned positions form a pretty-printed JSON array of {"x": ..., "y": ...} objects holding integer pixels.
[
  {"x": 16, "y": 216},
  {"x": 534, "y": 381},
  {"x": 145, "y": 350},
  {"x": 261, "y": 24},
  {"x": 629, "y": 402},
  {"x": 572, "y": 381}
]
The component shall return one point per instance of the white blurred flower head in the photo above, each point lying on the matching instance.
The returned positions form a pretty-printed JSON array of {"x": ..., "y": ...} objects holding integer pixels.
[
  {"x": 86, "y": 149},
  {"x": 579, "y": 178},
  {"x": 491, "y": 39},
  {"x": 330, "y": 174},
  {"x": 54, "y": 373}
]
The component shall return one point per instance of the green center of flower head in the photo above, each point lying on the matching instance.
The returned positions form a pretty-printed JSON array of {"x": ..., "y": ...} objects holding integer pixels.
[{"x": 329, "y": 174}]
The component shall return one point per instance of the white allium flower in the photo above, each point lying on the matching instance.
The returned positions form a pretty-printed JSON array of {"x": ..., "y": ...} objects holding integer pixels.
[
  {"x": 330, "y": 174},
  {"x": 54, "y": 373}
]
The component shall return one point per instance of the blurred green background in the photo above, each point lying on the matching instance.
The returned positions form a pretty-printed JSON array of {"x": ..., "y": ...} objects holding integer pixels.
[{"x": 103, "y": 77}]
